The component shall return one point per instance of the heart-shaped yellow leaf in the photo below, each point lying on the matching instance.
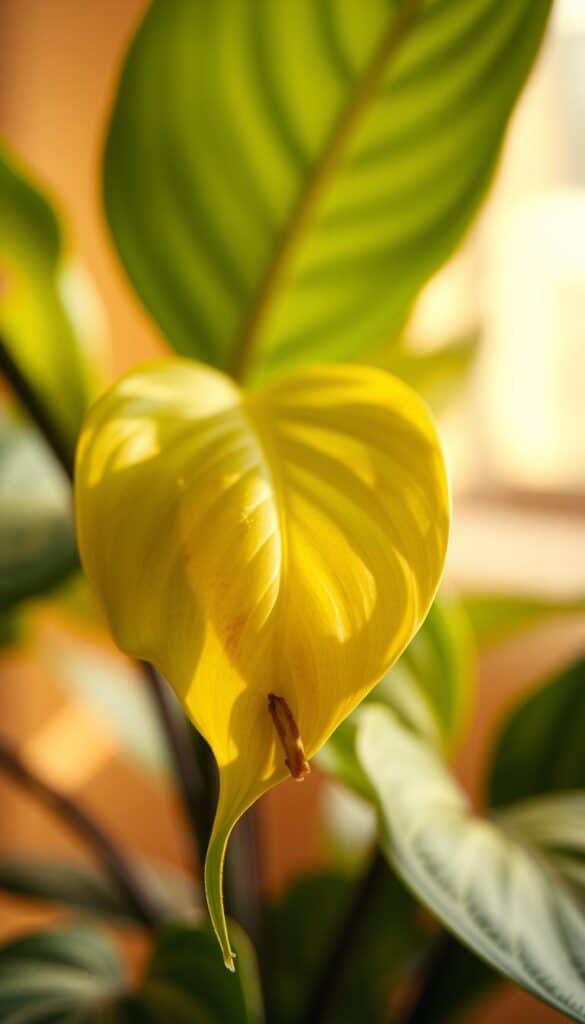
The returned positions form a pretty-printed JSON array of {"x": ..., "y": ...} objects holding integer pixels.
[{"x": 271, "y": 551}]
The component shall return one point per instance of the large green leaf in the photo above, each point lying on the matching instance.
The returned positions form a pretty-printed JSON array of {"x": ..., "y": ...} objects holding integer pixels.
[
  {"x": 301, "y": 928},
  {"x": 496, "y": 617},
  {"x": 281, "y": 178},
  {"x": 58, "y": 977},
  {"x": 494, "y": 886},
  {"x": 37, "y": 541},
  {"x": 50, "y": 318},
  {"x": 541, "y": 748}
]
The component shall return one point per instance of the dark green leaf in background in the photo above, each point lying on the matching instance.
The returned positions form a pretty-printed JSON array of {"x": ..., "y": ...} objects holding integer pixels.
[
  {"x": 302, "y": 926},
  {"x": 541, "y": 749},
  {"x": 282, "y": 178},
  {"x": 187, "y": 983}
]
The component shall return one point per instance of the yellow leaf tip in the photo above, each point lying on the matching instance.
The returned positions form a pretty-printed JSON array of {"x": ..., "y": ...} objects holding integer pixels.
[
  {"x": 229, "y": 962},
  {"x": 289, "y": 736}
]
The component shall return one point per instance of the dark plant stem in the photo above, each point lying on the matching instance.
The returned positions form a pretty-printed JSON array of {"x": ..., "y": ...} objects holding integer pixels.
[
  {"x": 191, "y": 783},
  {"x": 321, "y": 1000},
  {"x": 190, "y": 772},
  {"x": 435, "y": 989},
  {"x": 111, "y": 856},
  {"x": 38, "y": 412}
]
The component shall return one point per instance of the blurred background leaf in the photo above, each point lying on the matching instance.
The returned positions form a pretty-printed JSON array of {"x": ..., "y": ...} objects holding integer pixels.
[
  {"x": 65, "y": 975},
  {"x": 496, "y": 617},
  {"x": 37, "y": 541},
  {"x": 85, "y": 889},
  {"x": 438, "y": 374},
  {"x": 540, "y": 749},
  {"x": 186, "y": 982},
  {"x": 74, "y": 974},
  {"x": 431, "y": 689},
  {"x": 113, "y": 687},
  {"x": 302, "y": 232},
  {"x": 302, "y": 926},
  {"x": 51, "y": 320}
]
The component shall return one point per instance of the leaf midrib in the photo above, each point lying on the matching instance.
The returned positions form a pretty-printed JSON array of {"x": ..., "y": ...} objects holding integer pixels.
[{"x": 324, "y": 168}]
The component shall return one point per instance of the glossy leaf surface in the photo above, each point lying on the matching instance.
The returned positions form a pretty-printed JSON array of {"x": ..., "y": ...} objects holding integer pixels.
[
  {"x": 492, "y": 885},
  {"x": 287, "y": 540},
  {"x": 281, "y": 179}
]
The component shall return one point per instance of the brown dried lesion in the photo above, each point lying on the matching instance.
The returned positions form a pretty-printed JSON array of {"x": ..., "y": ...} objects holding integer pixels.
[{"x": 289, "y": 736}]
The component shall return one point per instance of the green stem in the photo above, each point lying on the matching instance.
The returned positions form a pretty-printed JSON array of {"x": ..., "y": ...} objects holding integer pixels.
[
  {"x": 190, "y": 780},
  {"x": 138, "y": 896},
  {"x": 322, "y": 999}
]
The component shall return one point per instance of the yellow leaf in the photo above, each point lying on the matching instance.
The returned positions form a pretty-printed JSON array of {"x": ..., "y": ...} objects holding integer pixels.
[{"x": 271, "y": 551}]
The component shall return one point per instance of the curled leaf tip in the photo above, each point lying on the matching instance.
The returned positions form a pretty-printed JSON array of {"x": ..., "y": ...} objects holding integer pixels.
[{"x": 289, "y": 736}]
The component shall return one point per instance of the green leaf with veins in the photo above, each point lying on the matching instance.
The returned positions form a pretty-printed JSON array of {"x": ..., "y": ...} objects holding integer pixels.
[
  {"x": 281, "y": 179},
  {"x": 494, "y": 884}
]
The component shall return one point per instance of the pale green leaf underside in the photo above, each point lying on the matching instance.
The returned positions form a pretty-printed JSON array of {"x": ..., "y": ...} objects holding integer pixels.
[
  {"x": 498, "y": 892},
  {"x": 281, "y": 178}
]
